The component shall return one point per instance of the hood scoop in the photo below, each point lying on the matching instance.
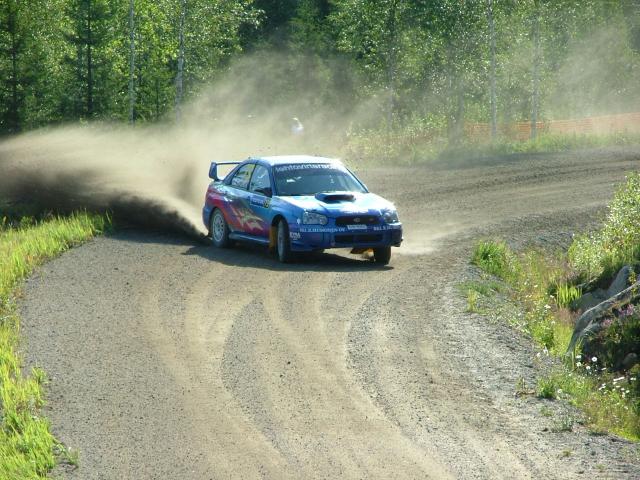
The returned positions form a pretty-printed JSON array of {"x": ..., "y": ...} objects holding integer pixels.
[{"x": 333, "y": 197}]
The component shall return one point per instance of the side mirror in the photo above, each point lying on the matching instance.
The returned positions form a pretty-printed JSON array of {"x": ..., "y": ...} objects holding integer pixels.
[{"x": 266, "y": 191}]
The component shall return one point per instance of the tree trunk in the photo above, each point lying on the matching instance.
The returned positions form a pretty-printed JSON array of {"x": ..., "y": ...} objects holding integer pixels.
[
  {"x": 456, "y": 101},
  {"x": 179, "y": 75},
  {"x": 132, "y": 62},
  {"x": 391, "y": 63},
  {"x": 492, "y": 80},
  {"x": 89, "y": 63},
  {"x": 157, "y": 98},
  {"x": 536, "y": 72},
  {"x": 460, "y": 107},
  {"x": 13, "y": 118}
]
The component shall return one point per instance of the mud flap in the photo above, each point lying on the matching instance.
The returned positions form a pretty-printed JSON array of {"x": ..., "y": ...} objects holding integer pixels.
[{"x": 273, "y": 237}]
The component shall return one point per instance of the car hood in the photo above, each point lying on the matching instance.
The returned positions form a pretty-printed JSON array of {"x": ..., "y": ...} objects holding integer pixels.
[{"x": 335, "y": 204}]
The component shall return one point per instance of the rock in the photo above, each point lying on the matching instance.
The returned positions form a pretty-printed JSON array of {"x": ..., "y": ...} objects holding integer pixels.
[
  {"x": 591, "y": 321},
  {"x": 620, "y": 282},
  {"x": 591, "y": 299},
  {"x": 630, "y": 361}
]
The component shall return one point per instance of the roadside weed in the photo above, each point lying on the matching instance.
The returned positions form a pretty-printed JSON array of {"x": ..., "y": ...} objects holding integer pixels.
[
  {"x": 546, "y": 388},
  {"x": 563, "y": 424},
  {"x": 472, "y": 300},
  {"x": 522, "y": 389},
  {"x": 566, "y": 295},
  {"x": 546, "y": 411},
  {"x": 495, "y": 258}
]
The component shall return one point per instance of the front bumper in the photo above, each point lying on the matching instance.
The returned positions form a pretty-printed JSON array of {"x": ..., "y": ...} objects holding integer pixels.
[{"x": 316, "y": 237}]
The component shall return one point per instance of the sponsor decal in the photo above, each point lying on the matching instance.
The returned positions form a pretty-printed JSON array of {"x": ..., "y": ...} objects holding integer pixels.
[
  {"x": 260, "y": 201},
  {"x": 322, "y": 229},
  {"x": 294, "y": 235},
  {"x": 356, "y": 227},
  {"x": 386, "y": 227},
  {"x": 379, "y": 228}
]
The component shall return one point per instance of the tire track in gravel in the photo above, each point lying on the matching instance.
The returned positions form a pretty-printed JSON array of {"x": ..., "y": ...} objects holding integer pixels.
[
  {"x": 328, "y": 424},
  {"x": 195, "y": 358},
  {"x": 169, "y": 360}
]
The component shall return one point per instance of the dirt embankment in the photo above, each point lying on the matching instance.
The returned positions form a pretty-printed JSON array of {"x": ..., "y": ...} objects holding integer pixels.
[{"x": 174, "y": 360}]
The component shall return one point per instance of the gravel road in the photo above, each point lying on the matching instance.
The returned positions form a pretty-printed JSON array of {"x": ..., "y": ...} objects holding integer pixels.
[{"x": 173, "y": 360}]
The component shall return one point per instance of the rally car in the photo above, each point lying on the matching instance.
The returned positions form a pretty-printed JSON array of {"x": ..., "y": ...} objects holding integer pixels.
[{"x": 299, "y": 204}]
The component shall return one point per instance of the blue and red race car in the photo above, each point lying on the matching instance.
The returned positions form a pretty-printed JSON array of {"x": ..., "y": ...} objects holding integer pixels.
[{"x": 299, "y": 204}]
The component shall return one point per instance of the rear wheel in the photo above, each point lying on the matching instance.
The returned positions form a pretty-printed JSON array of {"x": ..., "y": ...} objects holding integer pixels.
[
  {"x": 382, "y": 255},
  {"x": 219, "y": 230},
  {"x": 283, "y": 243}
]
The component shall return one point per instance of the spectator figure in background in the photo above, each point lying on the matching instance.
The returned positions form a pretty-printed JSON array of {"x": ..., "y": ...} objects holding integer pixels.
[{"x": 296, "y": 127}]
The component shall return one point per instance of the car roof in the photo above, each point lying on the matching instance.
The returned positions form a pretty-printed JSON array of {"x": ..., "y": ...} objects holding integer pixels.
[{"x": 288, "y": 159}]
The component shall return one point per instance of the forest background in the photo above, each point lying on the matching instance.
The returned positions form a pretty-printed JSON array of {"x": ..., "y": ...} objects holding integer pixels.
[{"x": 427, "y": 66}]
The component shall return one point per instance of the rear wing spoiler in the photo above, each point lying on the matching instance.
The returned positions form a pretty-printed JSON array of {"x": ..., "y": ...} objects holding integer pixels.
[{"x": 213, "y": 169}]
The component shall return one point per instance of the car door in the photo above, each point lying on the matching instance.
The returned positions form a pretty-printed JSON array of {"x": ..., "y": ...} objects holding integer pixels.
[
  {"x": 260, "y": 191},
  {"x": 241, "y": 218}
]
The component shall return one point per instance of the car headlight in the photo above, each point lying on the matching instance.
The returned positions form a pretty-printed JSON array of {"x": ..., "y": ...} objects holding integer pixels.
[
  {"x": 390, "y": 216},
  {"x": 312, "y": 218}
]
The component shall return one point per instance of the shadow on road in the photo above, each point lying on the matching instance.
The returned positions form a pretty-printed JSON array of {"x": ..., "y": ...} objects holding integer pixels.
[
  {"x": 252, "y": 256},
  {"x": 255, "y": 256}
]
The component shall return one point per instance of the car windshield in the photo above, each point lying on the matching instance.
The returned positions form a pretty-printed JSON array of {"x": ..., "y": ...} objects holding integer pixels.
[{"x": 312, "y": 178}]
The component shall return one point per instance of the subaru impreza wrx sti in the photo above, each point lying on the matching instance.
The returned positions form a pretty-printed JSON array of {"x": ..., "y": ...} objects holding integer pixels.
[{"x": 299, "y": 204}]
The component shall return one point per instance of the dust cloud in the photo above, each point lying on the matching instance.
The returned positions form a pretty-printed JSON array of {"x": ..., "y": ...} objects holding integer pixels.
[{"x": 156, "y": 175}]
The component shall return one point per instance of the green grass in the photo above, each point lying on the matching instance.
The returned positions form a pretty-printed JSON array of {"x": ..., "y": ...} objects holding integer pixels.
[
  {"x": 419, "y": 145},
  {"x": 27, "y": 448},
  {"x": 606, "y": 406}
]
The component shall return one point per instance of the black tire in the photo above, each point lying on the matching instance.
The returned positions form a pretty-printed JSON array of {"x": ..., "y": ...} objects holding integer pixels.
[
  {"x": 219, "y": 230},
  {"x": 382, "y": 255},
  {"x": 283, "y": 242}
]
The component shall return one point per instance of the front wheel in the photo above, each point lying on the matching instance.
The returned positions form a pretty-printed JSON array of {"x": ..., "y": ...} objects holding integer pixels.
[
  {"x": 283, "y": 244},
  {"x": 219, "y": 230},
  {"x": 382, "y": 255}
]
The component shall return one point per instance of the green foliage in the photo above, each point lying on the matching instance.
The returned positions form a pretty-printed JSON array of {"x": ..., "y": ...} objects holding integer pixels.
[
  {"x": 605, "y": 251},
  {"x": 27, "y": 448},
  {"x": 495, "y": 258},
  {"x": 620, "y": 338}
]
